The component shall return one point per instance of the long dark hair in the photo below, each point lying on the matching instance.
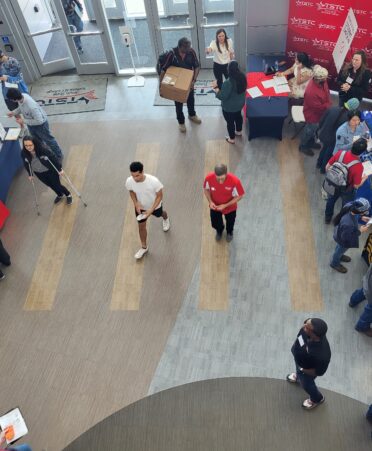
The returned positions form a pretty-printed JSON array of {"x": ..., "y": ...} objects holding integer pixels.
[
  {"x": 305, "y": 60},
  {"x": 350, "y": 207},
  {"x": 39, "y": 147},
  {"x": 360, "y": 72},
  {"x": 237, "y": 75},
  {"x": 221, "y": 30}
]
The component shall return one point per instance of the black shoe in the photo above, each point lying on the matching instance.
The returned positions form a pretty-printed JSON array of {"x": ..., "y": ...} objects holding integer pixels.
[
  {"x": 340, "y": 268},
  {"x": 58, "y": 199},
  {"x": 345, "y": 259},
  {"x": 218, "y": 236},
  {"x": 306, "y": 150},
  {"x": 69, "y": 200},
  {"x": 229, "y": 237},
  {"x": 327, "y": 220}
]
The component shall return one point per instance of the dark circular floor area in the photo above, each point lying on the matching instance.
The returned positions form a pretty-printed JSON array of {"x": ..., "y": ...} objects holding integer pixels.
[{"x": 232, "y": 414}]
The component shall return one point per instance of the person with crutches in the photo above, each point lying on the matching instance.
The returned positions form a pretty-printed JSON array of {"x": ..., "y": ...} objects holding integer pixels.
[{"x": 39, "y": 160}]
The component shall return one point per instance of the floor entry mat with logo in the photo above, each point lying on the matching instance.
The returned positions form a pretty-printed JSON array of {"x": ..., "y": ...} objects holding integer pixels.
[{"x": 65, "y": 97}]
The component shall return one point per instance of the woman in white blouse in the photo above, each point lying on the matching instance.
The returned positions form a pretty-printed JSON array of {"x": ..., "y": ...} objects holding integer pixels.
[
  {"x": 223, "y": 53},
  {"x": 302, "y": 71}
]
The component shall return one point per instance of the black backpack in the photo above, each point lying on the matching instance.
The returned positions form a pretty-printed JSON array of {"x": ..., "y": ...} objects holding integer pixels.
[{"x": 163, "y": 58}]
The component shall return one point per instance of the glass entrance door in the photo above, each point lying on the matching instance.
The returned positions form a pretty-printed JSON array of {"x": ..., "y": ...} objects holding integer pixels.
[{"x": 195, "y": 19}]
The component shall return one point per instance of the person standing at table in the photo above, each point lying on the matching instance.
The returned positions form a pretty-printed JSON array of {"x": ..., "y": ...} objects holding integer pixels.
[
  {"x": 4, "y": 259},
  {"x": 74, "y": 19},
  {"x": 184, "y": 56},
  {"x": 10, "y": 71},
  {"x": 232, "y": 96},
  {"x": 40, "y": 161},
  {"x": 223, "y": 52},
  {"x": 223, "y": 191},
  {"x": 354, "y": 78},
  {"x": 35, "y": 119},
  {"x": 316, "y": 100},
  {"x": 302, "y": 71}
]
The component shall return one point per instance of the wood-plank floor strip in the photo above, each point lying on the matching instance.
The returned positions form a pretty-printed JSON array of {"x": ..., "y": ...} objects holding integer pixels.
[
  {"x": 214, "y": 262},
  {"x": 300, "y": 244},
  {"x": 126, "y": 294},
  {"x": 49, "y": 267}
]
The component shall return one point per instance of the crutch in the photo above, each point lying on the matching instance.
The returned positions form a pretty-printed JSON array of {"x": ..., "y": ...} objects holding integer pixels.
[
  {"x": 67, "y": 178},
  {"x": 34, "y": 188}
]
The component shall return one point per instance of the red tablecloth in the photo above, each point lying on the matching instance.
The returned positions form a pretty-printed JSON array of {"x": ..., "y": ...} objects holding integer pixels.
[
  {"x": 255, "y": 79},
  {"x": 4, "y": 213}
]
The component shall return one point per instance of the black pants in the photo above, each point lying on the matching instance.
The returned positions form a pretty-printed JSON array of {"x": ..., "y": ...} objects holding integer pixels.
[
  {"x": 234, "y": 122},
  {"x": 4, "y": 256},
  {"x": 217, "y": 221},
  {"x": 51, "y": 179},
  {"x": 218, "y": 71},
  {"x": 190, "y": 108}
]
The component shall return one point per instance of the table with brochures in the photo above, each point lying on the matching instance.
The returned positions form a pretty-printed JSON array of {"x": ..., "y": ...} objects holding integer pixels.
[{"x": 265, "y": 114}]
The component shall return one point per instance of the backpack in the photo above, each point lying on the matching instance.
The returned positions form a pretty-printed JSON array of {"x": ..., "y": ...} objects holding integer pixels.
[
  {"x": 163, "y": 58},
  {"x": 336, "y": 175}
]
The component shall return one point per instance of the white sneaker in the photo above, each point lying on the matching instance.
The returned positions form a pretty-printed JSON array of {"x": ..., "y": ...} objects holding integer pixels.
[
  {"x": 139, "y": 254},
  {"x": 166, "y": 225}
]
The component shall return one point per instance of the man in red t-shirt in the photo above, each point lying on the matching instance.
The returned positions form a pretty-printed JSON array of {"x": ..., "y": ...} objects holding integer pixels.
[
  {"x": 354, "y": 177},
  {"x": 223, "y": 191}
]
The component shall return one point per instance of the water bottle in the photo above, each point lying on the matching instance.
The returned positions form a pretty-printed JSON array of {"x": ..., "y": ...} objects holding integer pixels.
[{"x": 276, "y": 66}]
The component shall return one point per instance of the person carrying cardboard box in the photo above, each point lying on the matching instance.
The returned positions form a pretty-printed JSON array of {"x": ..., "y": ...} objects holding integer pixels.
[{"x": 183, "y": 56}]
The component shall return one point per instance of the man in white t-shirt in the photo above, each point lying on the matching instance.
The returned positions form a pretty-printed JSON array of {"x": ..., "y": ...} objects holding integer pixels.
[{"x": 146, "y": 192}]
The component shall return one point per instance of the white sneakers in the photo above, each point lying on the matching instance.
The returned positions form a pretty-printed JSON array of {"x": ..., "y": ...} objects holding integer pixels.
[
  {"x": 166, "y": 225},
  {"x": 139, "y": 254}
]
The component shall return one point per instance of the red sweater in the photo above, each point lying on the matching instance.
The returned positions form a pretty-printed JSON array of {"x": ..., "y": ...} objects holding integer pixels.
[{"x": 316, "y": 100}]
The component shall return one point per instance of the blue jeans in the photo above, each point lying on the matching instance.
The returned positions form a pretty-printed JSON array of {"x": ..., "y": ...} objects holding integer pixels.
[
  {"x": 75, "y": 21},
  {"x": 308, "y": 384},
  {"x": 346, "y": 197},
  {"x": 365, "y": 320},
  {"x": 23, "y": 447},
  {"x": 369, "y": 412},
  {"x": 338, "y": 253},
  {"x": 308, "y": 134},
  {"x": 43, "y": 133},
  {"x": 357, "y": 297}
]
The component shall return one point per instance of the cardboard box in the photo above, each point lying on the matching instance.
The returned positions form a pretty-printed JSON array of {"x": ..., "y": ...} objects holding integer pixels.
[{"x": 176, "y": 84}]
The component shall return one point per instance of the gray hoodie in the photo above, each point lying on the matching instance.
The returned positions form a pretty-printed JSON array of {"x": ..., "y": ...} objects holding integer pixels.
[{"x": 31, "y": 110}]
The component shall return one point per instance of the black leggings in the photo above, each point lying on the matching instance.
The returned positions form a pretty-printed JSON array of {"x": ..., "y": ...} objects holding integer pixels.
[
  {"x": 219, "y": 70},
  {"x": 51, "y": 179},
  {"x": 217, "y": 221},
  {"x": 234, "y": 122}
]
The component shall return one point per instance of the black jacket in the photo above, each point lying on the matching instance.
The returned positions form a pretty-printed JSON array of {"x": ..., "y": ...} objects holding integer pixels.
[
  {"x": 347, "y": 232},
  {"x": 359, "y": 87},
  {"x": 329, "y": 123},
  {"x": 44, "y": 155}
]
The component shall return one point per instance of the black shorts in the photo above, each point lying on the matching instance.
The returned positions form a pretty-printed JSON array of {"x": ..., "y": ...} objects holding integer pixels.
[{"x": 158, "y": 212}]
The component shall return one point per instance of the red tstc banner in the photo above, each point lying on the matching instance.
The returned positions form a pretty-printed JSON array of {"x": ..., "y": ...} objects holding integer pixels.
[{"x": 314, "y": 27}]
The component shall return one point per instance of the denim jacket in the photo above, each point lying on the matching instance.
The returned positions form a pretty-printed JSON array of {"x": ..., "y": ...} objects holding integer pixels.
[{"x": 344, "y": 136}]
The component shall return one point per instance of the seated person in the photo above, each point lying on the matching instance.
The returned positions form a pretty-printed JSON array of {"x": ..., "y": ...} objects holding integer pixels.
[
  {"x": 302, "y": 73},
  {"x": 350, "y": 131}
]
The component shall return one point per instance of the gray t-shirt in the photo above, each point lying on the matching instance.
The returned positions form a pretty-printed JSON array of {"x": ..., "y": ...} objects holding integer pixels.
[{"x": 37, "y": 166}]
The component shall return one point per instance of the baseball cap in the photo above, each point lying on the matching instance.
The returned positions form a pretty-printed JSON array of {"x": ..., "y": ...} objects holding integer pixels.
[{"x": 352, "y": 104}]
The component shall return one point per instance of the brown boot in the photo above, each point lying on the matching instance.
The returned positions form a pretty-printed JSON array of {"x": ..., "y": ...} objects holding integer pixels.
[{"x": 340, "y": 268}]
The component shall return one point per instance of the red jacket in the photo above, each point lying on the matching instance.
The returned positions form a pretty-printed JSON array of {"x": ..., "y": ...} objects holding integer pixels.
[{"x": 316, "y": 100}]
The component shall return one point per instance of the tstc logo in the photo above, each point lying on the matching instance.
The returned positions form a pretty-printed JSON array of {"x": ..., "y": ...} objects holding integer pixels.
[
  {"x": 291, "y": 54},
  {"x": 304, "y": 3},
  {"x": 300, "y": 39},
  {"x": 322, "y": 44},
  {"x": 361, "y": 32},
  {"x": 326, "y": 26},
  {"x": 360, "y": 12},
  {"x": 302, "y": 23},
  {"x": 330, "y": 8}
]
